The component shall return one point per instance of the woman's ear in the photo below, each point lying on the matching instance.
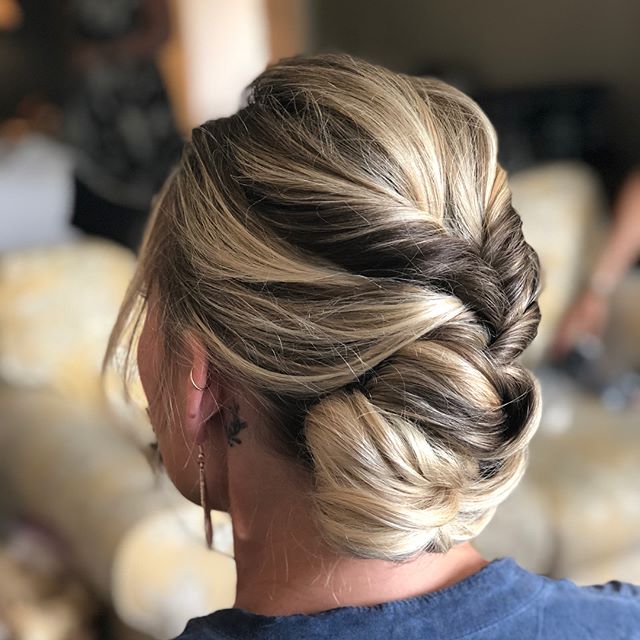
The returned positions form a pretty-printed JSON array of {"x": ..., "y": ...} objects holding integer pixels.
[{"x": 203, "y": 391}]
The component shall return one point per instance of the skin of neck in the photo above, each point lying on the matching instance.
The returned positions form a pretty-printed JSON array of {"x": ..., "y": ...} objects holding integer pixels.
[{"x": 283, "y": 565}]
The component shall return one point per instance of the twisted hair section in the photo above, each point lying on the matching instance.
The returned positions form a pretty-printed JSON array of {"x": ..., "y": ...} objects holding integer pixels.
[{"x": 346, "y": 248}]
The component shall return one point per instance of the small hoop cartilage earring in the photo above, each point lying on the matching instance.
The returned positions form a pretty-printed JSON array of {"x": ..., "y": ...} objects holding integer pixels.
[
  {"x": 204, "y": 500},
  {"x": 193, "y": 382}
]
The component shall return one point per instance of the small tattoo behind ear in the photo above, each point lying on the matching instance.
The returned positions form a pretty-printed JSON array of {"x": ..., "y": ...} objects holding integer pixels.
[{"x": 235, "y": 426}]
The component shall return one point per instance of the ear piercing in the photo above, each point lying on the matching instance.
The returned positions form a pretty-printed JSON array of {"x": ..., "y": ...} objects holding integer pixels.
[{"x": 193, "y": 382}]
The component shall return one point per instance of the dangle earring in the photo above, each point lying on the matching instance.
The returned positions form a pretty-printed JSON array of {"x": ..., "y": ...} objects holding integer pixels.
[{"x": 204, "y": 498}]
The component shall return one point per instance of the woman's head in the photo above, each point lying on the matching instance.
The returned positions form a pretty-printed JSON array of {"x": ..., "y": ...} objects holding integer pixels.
[{"x": 344, "y": 251}]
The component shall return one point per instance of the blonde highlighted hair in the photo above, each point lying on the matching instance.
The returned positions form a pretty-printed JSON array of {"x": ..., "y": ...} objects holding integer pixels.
[{"x": 346, "y": 249}]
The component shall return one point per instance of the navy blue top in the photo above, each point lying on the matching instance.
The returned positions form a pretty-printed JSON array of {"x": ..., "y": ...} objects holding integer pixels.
[{"x": 501, "y": 601}]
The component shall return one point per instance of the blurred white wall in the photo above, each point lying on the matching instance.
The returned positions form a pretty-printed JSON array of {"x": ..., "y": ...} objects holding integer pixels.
[
  {"x": 225, "y": 45},
  {"x": 36, "y": 193}
]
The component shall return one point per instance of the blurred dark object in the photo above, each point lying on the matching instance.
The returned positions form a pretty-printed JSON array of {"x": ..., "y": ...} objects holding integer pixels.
[
  {"x": 118, "y": 117},
  {"x": 545, "y": 124},
  {"x": 43, "y": 34},
  {"x": 586, "y": 363},
  {"x": 590, "y": 366},
  {"x": 17, "y": 65},
  {"x": 32, "y": 58},
  {"x": 98, "y": 216}
]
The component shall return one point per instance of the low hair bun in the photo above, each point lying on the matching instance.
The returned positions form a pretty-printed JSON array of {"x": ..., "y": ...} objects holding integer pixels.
[
  {"x": 421, "y": 458},
  {"x": 380, "y": 490}
]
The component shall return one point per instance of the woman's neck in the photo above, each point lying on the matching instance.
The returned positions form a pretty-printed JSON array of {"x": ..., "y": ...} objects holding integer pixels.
[
  {"x": 285, "y": 568},
  {"x": 349, "y": 583},
  {"x": 283, "y": 565}
]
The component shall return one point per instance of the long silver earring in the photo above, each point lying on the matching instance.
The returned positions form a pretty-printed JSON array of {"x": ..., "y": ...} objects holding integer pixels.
[{"x": 204, "y": 499}]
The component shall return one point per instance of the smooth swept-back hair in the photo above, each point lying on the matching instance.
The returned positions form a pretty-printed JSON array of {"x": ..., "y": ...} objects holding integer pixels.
[{"x": 346, "y": 249}]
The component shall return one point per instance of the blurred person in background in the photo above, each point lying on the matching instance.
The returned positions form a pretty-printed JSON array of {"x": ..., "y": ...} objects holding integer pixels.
[
  {"x": 111, "y": 111},
  {"x": 331, "y": 313},
  {"x": 118, "y": 117},
  {"x": 588, "y": 317}
]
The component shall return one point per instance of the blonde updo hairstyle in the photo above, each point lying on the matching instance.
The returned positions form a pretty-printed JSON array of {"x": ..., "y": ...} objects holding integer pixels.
[{"x": 346, "y": 249}]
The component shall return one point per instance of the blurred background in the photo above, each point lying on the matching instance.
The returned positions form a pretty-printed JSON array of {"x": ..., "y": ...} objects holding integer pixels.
[{"x": 96, "y": 97}]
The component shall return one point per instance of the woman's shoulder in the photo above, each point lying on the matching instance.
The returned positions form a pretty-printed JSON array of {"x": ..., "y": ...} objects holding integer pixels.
[
  {"x": 503, "y": 600},
  {"x": 611, "y": 610}
]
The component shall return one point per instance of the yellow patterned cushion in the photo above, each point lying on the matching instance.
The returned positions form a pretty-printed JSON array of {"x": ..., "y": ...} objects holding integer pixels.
[{"x": 57, "y": 307}]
